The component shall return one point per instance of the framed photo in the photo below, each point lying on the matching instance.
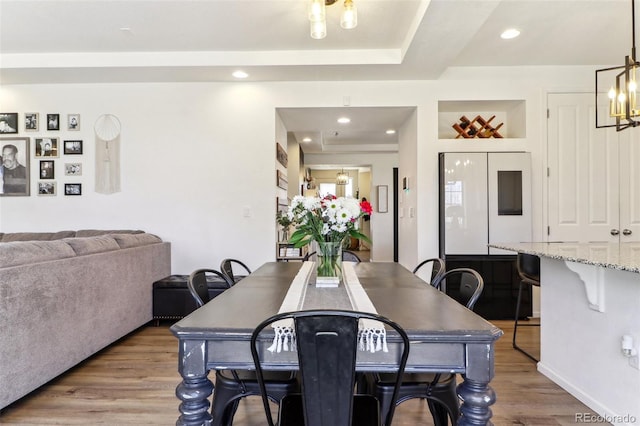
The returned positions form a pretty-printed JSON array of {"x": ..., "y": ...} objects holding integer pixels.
[
  {"x": 31, "y": 121},
  {"x": 47, "y": 169},
  {"x": 281, "y": 180},
  {"x": 282, "y": 205},
  {"x": 53, "y": 121},
  {"x": 72, "y": 147},
  {"x": 47, "y": 147},
  {"x": 73, "y": 169},
  {"x": 8, "y": 122},
  {"x": 72, "y": 189},
  {"x": 383, "y": 198},
  {"x": 46, "y": 188},
  {"x": 281, "y": 155},
  {"x": 15, "y": 166},
  {"x": 73, "y": 121}
]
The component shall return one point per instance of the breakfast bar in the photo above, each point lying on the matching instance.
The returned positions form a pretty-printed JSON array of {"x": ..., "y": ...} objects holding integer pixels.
[{"x": 589, "y": 300}]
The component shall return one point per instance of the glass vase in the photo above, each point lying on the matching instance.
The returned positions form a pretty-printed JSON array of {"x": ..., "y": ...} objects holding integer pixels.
[{"x": 328, "y": 263}]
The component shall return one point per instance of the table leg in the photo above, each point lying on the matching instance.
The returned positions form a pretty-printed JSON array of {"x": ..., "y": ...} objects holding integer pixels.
[
  {"x": 194, "y": 394},
  {"x": 476, "y": 398}
]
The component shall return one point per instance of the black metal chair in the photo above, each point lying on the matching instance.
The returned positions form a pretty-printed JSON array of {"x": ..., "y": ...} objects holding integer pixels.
[
  {"x": 233, "y": 385},
  {"x": 350, "y": 256},
  {"x": 528, "y": 266},
  {"x": 327, "y": 343},
  {"x": 437, "y": 269},
  {"x": 438, "y": 389},
  {"x": 226, "y": 266}
]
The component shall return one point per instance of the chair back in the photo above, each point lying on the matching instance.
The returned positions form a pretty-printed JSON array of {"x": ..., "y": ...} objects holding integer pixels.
[
  {"x": 528, "y": 266},
  {"x": 226, "y": 267},
  {"x": 350, "y": 256},
  {"x": 308, "y": 256},
  {"x": 437, "y": 269},
  {"x": 471, "y": 285},
  {"x": 198, "y": 287},
  {"x": 327, "y": 343}
]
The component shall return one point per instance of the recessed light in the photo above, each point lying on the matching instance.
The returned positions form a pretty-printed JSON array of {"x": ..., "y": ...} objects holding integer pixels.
[
  {"x": 344, "y": 120},
  {"x": 306, "y": 139},
  {"x": 240, "y": 74},
  {"x": 510, "y": 33},
  {"x": 390, "y": 132}
]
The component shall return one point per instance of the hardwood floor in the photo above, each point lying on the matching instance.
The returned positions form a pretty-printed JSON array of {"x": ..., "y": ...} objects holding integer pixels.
[{"x": 133, "y": 382}]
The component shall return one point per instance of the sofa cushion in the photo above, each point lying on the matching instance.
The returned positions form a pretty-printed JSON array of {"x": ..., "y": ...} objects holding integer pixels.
[
  {"x": 135, "y": 240},
  {"x": 90, "y": 245},
  {"x": 95, "y": 232},
  {"x": 36, "y": 236},
  {"x": 24, "y": 252}
]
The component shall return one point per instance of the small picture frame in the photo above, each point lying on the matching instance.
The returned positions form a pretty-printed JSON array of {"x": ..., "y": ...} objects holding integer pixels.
[
  {"x": 8, "y": 123},
  {"x": 31, "y": 121},
  {"x": 47, "y": 169},
  {"x": 73, "y": 147},
  {"x": 281, "y": 180},
  {"x": 73, "y": 169},
  {"x": 383, "y": 198},
  {"x": 72, "y": 189},
  {"x": 46, "y": 188},
  {"x": 53, "y": 121},
  {"x": 47, "y": 147},
  {"x": 281, "y": 155},
  {"x": 73, "y": 121}
]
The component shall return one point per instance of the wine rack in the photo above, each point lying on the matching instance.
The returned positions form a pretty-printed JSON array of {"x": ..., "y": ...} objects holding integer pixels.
[{"x": 477, "y": 128}]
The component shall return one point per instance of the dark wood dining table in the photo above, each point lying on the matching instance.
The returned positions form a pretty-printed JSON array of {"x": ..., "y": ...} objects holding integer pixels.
[{"x": 445, "y": 336}]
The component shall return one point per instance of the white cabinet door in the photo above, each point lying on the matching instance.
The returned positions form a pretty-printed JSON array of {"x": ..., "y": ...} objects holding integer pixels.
[{"x": 590, "y": 173}]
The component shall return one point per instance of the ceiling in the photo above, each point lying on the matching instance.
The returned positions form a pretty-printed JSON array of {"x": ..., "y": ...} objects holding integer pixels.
[{"x": 61, "y": 41}]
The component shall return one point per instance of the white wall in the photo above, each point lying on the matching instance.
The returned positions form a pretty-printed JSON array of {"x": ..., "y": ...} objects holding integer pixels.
[{"x": 197, "y": 158}]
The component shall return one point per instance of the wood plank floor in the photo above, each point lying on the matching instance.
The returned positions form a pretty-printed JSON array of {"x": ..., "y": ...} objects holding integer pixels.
[{"x": 133, "y": 382}]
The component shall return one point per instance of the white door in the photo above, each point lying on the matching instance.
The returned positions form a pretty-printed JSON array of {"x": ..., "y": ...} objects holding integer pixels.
[
  {"x": 590, "y": 172},
  {"x": 629, "y": 185}
]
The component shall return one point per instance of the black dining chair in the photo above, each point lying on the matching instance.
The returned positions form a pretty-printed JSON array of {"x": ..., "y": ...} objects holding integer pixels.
[
  {"x": 437, "y": 269},
  {"x": 233, "y": 385},
  {"x": 226, "y": 266},
  {"x": 327, "y": 344},
  {"x": 438, "y": 389},
  {"x": 528, "y": 266},
  {"x": 350, "y": 256}
]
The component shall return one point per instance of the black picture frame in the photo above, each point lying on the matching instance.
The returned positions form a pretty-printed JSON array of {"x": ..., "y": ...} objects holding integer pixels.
[
  {"x": 47, "y": 169},
  {"x": 72, "y": 189},
  {"x": 53, "y": 121},
  {"x": 16, "y": 180},
  {"x": 8, "y": 123},
  {"x": 73, "y": 147}
]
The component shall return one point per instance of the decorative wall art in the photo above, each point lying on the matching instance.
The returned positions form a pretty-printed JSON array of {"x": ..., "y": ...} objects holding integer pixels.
[
  {"x": 47, "y": 169},
  {"x": 281, "y": 180},
  {"x": 46, "y": 188},
  {"x": 72, "y": 147},
  {"x": 73, "y": 121},
  {"x": 46, "y": 147},
  {"x": 72, "y": 189},
  {"x": 383, "y": 198},
  {"x": 14, "y": 173},
  {"x": 31, "y": 121},
  {"x": 73, "y": 169},
  {"x": 8, "y": 122},
  {"x": 53, "y": 121},
  {"x": 107, "y": 132},
  {"x": 281, "y": 155}
]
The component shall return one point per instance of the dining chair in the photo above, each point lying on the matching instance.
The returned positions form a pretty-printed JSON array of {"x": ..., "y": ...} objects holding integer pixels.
[
  {"x": 226, "y": 266},
  {"x": 349, "y": 256},
  {"x": 327, "y": 344},
  {"x": 437, "y": 269},
  {"x": 438, "y": 389},
  {"x": 528, "y": 267},
  {"x": 233, "y": 385}
]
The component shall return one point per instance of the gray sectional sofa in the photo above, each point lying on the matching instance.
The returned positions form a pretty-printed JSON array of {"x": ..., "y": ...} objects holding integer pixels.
[{"x": 66, "y": 295}]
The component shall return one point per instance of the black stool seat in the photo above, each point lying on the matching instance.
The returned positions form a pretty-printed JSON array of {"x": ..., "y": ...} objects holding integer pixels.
[{"x": 171, "y": 297}]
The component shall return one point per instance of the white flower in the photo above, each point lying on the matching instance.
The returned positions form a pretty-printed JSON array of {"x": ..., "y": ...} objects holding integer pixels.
[{"x": 343, "y": 215}]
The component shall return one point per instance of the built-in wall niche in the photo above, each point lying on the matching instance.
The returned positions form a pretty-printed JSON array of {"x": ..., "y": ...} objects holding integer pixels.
[{"x": 510, "y": 112}]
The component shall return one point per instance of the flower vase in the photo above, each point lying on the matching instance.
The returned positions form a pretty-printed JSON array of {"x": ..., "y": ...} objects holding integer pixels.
[{"x": 328, "y": 263}]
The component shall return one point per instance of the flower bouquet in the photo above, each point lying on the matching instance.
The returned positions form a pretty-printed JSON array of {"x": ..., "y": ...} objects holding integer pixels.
[{"x": 327, "y": 222}]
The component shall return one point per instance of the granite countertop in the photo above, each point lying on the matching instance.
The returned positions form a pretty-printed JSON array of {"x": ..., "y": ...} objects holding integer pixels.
[{"x": 623, "y": 256}]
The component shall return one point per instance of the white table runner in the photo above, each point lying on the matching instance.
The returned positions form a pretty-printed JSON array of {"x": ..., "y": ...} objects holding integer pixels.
[{"x": 371, "y": 334}]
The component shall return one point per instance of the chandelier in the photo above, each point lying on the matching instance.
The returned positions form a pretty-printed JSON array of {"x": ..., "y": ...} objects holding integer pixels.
[
  {"x": 342, "y": 178},
  {"x": 622, "y": 96},
  {"x": 318, "y": 17}
]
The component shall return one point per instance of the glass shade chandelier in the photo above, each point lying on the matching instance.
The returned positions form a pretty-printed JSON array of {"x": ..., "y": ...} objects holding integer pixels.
[
  {"x": 318, "y": 16},
  {"x": 342, "y": 178},
  {"x": 622, "y": 95}
]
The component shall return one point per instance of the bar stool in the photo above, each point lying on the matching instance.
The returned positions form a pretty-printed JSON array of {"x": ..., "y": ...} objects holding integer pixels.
[{"x": 528, "y": 267}]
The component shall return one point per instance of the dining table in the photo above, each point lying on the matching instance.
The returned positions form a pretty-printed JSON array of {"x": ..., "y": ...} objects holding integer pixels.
[{"x": 445, "y": 336}]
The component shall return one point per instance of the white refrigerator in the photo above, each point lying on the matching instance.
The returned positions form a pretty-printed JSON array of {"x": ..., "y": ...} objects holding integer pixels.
[{"x": 485, "y": 197}]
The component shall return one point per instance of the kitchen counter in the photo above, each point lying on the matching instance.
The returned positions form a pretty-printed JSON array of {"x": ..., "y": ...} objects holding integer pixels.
[{"x": 625, "y": 257}]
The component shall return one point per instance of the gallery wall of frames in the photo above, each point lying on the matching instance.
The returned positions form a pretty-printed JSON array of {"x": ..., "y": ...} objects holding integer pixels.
[{"x": 49, "y": 143}]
